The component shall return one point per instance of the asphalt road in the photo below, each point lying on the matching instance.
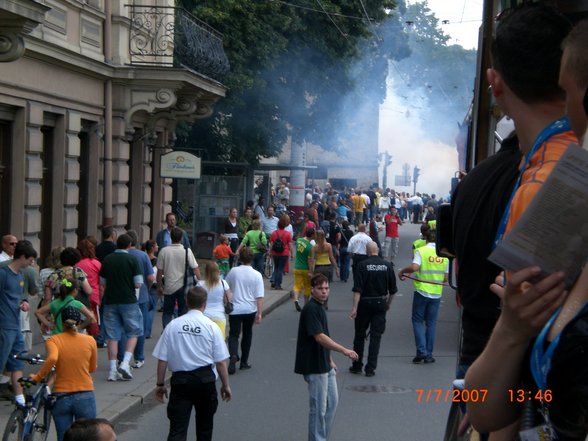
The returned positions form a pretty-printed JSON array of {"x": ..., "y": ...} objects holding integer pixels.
[{"x": 270, "y": 402}]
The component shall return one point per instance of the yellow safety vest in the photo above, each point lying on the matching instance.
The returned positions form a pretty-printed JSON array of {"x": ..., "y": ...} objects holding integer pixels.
[
  {"x": 417, "y": 244},
  {"x": 432, "y": 269},
  {"x": 432, "y": 224}
]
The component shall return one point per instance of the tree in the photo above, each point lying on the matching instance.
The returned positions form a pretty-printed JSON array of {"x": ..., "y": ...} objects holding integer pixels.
[{"x": 290, "y": 69}]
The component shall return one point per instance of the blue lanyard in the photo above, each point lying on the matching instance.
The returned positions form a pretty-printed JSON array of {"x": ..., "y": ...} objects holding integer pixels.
[
  {"x": 560, "y": 125},
  {"x": 540, "y": 359}
]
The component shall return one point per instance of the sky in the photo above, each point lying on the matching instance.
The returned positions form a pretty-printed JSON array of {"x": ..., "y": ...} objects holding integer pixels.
[{"x": 405, "y": 137}]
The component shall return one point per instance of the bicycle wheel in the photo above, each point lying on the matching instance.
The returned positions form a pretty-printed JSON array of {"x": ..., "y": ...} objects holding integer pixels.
[
  {"x": 14, "y": 427},
  {"x": 41, "y": 424},
  {"x": 268, "y": 269}
]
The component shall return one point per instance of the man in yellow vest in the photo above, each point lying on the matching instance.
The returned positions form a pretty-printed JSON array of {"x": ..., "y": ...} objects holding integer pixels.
[{"x": 429, "y": 274}]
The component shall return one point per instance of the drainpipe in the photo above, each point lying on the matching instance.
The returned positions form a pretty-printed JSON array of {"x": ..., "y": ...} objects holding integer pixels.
[{"x": 107, "y": 202}]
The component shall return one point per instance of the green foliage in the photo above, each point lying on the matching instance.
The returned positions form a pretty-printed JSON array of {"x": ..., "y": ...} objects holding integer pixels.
[{"x": 292, "y": 70}]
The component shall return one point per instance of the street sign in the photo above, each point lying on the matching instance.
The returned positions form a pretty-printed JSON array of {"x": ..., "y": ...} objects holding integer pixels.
[{"x": 178, "y": 164}]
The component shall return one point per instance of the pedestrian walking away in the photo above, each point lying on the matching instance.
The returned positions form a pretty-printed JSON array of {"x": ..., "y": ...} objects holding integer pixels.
[
  {"x": 173, "y": 264},
  {"x": 191, "y": 347},
  {"x": 430, "y": 274},
  {"x": 248, "y": 291},
  {"x": 314, "y": 361},
  {"x": 302, "y": 269},
  {"x": 372, "y": 295},
  {"x": 357, "y": 247},
  {"x": 120, "y": 277}
]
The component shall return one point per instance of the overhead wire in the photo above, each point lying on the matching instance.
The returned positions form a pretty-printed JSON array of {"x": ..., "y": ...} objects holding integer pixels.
[
  {"x": 331, "y": 18},
  {"x": 306, "y": 8},
  {"x": 370, "y": 23}
]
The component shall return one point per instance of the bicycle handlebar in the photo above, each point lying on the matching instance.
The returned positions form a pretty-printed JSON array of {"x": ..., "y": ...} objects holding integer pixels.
[{"x": 35, "y": 359}]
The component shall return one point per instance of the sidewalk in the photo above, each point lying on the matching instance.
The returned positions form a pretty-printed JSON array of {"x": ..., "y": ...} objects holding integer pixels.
[{"x": 114, "y": 399}]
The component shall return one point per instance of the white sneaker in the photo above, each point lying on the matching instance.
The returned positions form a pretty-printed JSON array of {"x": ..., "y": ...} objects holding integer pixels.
[
  {"x": 125, "y": 371},
  {"x": 138, "y": 364},
  {"x": 114, "y": 376}
]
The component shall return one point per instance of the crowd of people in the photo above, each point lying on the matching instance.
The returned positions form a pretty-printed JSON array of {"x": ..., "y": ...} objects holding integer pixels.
[{"x": 104, "y": 295}]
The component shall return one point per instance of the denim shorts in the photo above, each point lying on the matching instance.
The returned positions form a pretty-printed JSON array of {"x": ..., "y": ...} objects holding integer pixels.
[
  {"x": 123, "y": 316},
  {"x": 11, "y": 343}
]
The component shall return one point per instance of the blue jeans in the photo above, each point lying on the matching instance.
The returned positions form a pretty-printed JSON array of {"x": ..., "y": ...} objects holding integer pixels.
[
  {"x": 324, "y": 396},
  {"x": 72, "y": 407},
  {"x": 169, "y": 303},
  {"x": 279, "y": 266},
  {"x": 151, "y": 312},
  {"x": 344, "y": 264},
  {"x": 123, "y": 318},
  {"x": 11, "y": 343},
  {"x": 138, "y": 354},
  {"x": 424, "y": 321}
]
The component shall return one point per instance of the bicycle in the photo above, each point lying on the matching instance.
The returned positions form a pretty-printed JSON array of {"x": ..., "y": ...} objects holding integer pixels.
[
  {"x": 268, "y": 265},
  {"x": 32, "y": 421}
]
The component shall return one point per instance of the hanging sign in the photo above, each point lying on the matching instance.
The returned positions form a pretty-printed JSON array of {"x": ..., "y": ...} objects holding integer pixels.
[{"x": 178, "y": 164}]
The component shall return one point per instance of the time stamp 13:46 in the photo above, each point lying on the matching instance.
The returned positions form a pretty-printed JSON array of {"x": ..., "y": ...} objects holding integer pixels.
[{"x": 479, "y": 395}]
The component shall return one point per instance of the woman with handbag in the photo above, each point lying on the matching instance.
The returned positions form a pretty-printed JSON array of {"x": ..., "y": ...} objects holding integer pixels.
[
  {"x": 256, "y": 240},
  {"x": 75, "y": 357},
  {"x": 220, "y": 297}
]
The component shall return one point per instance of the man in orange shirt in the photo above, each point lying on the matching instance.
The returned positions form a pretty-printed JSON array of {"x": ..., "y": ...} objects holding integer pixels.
[{"x": 524, "y": 83}]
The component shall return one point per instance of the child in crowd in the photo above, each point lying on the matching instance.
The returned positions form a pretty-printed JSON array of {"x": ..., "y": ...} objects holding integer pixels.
[
  {"x": 68, "y": 291},
  {"x": 221, "y": 253}
]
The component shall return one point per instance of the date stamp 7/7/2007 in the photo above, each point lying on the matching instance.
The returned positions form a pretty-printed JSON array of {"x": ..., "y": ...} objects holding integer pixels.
[{"x": 451, "y": 395}]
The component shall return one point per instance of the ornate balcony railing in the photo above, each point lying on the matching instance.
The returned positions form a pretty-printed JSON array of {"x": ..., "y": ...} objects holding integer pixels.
[{"x": 168, "y": 36}]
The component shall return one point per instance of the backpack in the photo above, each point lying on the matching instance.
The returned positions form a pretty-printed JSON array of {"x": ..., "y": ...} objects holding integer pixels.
[{"x": 278, "y": 245}]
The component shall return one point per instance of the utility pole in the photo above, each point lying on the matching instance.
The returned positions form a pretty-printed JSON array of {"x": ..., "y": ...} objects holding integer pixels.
[
  {"x": 386, "y": 159},
  {"x": 415, "y": 178}
]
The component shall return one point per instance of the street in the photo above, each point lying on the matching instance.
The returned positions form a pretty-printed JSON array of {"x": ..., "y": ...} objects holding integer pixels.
[{"x": 270, "y": 402}]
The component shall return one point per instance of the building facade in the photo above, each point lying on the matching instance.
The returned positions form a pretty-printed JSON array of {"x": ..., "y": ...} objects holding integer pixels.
[{"x": 91, "y": 92}]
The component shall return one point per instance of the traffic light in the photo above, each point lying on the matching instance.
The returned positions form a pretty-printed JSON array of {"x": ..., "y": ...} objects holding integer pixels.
[{"x": 415, "y": 174}]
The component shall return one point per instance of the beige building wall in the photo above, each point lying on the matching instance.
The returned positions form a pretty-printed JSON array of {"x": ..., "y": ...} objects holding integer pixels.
[{"x": 82, "y": 126}]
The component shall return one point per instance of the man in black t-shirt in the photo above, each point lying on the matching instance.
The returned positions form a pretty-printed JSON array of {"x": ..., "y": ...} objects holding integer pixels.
[
  {"x": 373, "y": 289},
  {"x": 313, "y": 360},
  {"x": 477, "y": 206}
]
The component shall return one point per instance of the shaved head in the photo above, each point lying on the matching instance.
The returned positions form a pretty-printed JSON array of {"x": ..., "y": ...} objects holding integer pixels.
[{"x": 372, "y": 249}]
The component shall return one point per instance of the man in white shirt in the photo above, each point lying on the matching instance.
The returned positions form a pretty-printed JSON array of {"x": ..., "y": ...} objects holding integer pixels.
[
  {"x": 171, "y": 264},
  {"x": 417, "y": 208},
  {"x": 248, "y": 291},
  {"x": 357, "y": 247},
  {"x": 190, "y": 347}
]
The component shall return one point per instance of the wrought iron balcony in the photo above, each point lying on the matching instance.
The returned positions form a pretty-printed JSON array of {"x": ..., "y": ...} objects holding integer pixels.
[{"x": 169, "y": 36}]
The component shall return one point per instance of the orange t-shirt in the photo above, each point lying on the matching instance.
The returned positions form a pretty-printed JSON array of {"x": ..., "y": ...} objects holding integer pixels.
[
  {"x": 74, "y": 356},
  {"x": 222, "y": 251},
  {"x": 538, "y": 170}
]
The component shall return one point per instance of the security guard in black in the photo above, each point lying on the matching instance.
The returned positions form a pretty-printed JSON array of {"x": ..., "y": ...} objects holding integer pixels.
[{"x": 373, "y": 289}]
